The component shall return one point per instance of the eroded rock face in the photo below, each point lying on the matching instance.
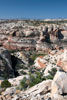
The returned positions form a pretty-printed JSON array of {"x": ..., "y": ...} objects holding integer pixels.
[
  {"x": 39, "y": 63},
  {"x": 46, "y": 33},
  {"x": 64, "y": 33},
  {"x": 19, "y": 35},
  {"x": 16, "y": 81},
  {"x": 50, "y": 28},
  {"x": 14, "y": 43},
  {"x": 59, "y": 83},
  {"x": 5, "y": 63},
  {"x": 41, "y": 88},
  {"x": 62, "y": 60}
]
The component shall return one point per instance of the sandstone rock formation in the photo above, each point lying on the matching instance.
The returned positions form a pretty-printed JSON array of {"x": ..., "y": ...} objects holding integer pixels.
[
  {"x": 41, "y": 88},
  {"x": 24, "y": 38},
  {"x": 5, "y": 63},
  {"x": 59, "y": 83},
  {"x": 62, "y": 60}
]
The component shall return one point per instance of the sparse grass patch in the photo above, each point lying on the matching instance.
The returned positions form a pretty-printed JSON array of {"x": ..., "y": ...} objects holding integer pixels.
[
  {"x": 33, "y": 79},
  {"x": 33, "y": 57},
  {"x": 5, "y": 84},
  {"x": 23, "y": 72},
  {"x": 51, "y": 73}
]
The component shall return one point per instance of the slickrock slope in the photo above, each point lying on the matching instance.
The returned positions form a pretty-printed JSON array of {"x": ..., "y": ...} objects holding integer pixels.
[
  {"x": 48, "y": 89},
  {"x": 33, "y": 60}
]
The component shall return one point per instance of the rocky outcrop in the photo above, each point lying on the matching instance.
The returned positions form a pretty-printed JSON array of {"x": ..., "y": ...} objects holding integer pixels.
[
  {"x": 16, "y": 81},
  {"x": 64, "y": 33},
  {"x": 47, "y": 62},
  {"x": 39, "y": 63},
  {"x": 55, "y": 89},
  {"x": 62, "y": 60},
  {"x": 11, "y": 32},
  {"x": 59, "y": 83},
  {"x": 37, "y": 92},
  {"x": 14, "y": 43},
  {"x": 5, "y": 63},
  {"x": 41, "y": 88},
  {"x": 24, "y": 39}
]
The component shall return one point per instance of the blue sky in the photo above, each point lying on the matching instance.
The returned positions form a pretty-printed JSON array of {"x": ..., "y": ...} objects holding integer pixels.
[{"x": 33, "y": 9}]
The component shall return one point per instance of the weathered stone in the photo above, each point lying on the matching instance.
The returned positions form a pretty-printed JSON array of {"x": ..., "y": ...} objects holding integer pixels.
[
  {"x": 40, "y": 88},
  {"x": 10, "y": 91},
  {"x": 59, "y": 83},
  {"x": 62, "y": 60}
]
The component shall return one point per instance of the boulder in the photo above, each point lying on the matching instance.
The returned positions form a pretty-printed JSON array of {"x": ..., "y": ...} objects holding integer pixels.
[
  {"x": 41, "y": 88},
  {"x": 59, "y": 97},
  {"x": 62, "y": 60},
  {"x": 64, "y": 33},
  {"x": 10, "y": 91},
  {"x": 59, "y": 83}
]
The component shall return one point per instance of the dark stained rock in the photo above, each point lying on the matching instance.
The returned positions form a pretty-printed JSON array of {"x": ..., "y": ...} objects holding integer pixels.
[{"x": 6, "y": 70}]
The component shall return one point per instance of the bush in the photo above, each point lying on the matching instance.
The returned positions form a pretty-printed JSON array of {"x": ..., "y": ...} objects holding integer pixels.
[
  {"x": 5, "y": 84},
  {"x": 49, "y": 77},
  {"x": 33, "y": 80},
  {"x": 23, "y": 72},
  {"x": 23, "y": 83},
  {"x": 36, "y": 78},
  {"x": 37, "y": 55},
  {"x": 20, "y": 66},
  {"x": 52, "y": 73}
]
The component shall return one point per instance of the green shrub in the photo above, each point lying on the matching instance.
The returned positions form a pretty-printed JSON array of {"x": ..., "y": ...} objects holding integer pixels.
[
  {"x": 49, "y": 77},
  {"x": 36, "y": 55},
  {"x": 5, "y": 84},
  {"x": 52, "y": 73},
  {"x": 33, "y": 80},
  {"x": 23, "y": 83},
  {"x": 20, "y": 66},
  {"x": 36, "y": 78},
  {"x": 13, "y": 51},
  {"x": 23, "y": 72}
]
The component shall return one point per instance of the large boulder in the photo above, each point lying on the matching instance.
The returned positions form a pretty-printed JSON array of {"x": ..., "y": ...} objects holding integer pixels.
[
  {"x": 58, "y": 97},
  {"x": 59, "y": 83},
  {"x": 41, "y": 88},
  {"x": 62, "y": 60}
]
